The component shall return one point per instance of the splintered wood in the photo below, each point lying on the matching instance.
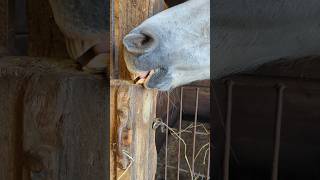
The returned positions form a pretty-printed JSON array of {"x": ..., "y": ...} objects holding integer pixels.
[{"x": 133, "y": 154}]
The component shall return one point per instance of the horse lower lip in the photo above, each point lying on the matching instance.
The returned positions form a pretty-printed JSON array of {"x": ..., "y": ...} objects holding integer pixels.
[{"x": 148, "y": 77}]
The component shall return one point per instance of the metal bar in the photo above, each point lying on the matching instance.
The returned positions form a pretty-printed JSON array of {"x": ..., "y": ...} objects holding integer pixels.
[
  {"x": 226, "y": 160},
  {"x": 195, "y": 130},
  {"x": 208, "y": 167},
  {"x": 167, "y": 133},
  {"x": 276, "y": 147},
  {"x": 236, "y": 159},
  {"x": 197, "y": 133},
  {"x": 267, "y": 81},
  {"x": 179, "y": 143}
]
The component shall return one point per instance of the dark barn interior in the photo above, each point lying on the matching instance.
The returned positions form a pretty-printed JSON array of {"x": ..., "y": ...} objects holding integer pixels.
[{"x": 254, "y": 114}]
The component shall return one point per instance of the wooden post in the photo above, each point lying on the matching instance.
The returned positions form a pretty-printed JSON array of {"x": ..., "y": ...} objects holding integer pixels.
[
  {"x": 8, "y": 138},
  {"x": 133, "y": 154},
  {"x": 133, "y": 108},
  {"x": 6, "y": 26}
]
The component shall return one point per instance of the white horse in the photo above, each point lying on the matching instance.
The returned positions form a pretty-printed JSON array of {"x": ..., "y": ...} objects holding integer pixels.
[{"x": 172, "y": 47}]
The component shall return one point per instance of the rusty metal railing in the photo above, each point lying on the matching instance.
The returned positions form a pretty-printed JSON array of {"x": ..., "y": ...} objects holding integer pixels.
[{"x": 265, "y": 82}]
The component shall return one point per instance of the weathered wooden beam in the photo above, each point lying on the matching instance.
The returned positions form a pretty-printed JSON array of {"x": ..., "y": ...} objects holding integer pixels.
[
  {"x": 45, "y": 38},
  {"x": 53, "y": 121},
  {"x": 133, "y": 111},
  {"x": 126, "y": 15}
]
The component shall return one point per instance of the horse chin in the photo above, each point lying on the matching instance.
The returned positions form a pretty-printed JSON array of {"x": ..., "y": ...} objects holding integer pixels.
[
  {"x": 157, "y": 80},
  {"x": 161, "y": 86}
]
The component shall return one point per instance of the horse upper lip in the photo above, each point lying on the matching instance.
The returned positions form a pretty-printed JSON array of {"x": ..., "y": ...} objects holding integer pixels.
[{"x": 141, "y": 74}]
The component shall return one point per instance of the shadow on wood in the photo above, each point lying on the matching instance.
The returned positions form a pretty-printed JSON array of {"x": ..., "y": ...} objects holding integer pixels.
[{"x": 53, "y": 120}]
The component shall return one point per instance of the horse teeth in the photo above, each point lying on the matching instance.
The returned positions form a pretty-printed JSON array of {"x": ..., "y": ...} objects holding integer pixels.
[
  {"x": 140, "y": 81},
  {"x": 139, "y": 75},
  {"x": 142, "y": 78}
]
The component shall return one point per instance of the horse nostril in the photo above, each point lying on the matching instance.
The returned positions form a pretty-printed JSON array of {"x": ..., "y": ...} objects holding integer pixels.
[
  {"x": 139, "y": 43},
  {"x": 146, "y": 40}
]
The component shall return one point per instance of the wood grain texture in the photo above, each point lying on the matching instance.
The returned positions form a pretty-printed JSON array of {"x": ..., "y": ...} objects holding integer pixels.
[
  {"x": 126, "y": 15},
  {"x": 53, "y": 121},
  {"x": 132, "y": 109},
  {"x": 6, "y": 26},
  {"x": 9, "y": 128},
  {"x": 45, "y": 38},
  {"x": 4, "y": 14}
]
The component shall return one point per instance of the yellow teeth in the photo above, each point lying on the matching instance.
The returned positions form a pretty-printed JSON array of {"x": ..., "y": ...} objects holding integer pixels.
[{"x": 142, "y": 80}]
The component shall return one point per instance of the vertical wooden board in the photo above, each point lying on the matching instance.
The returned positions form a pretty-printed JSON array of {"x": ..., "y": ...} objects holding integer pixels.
[
  {"x": 10, "y": 131},
  {"x": 45, "y": 38},
  {"x": 126, "y": 16},
  {"x": 65, "y": 126},
  {"x": 6, "y": 26},
  {"x": 113, "y": 135},
  {"x": 141, "y": 111},
  {"x": 4, "y": 13},
  {"x": 117, "y": 87}
]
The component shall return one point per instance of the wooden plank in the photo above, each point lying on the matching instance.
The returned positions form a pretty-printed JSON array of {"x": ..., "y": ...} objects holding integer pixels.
[
  {"x": 9, "y": 128},
  {"x": 6, "y": 26},
  {"x": 122, "y": 22},
  {"x": 45, "y": 38},
  {"x": 132, "y": 113},
  {"x": 61, "y": 114}
]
